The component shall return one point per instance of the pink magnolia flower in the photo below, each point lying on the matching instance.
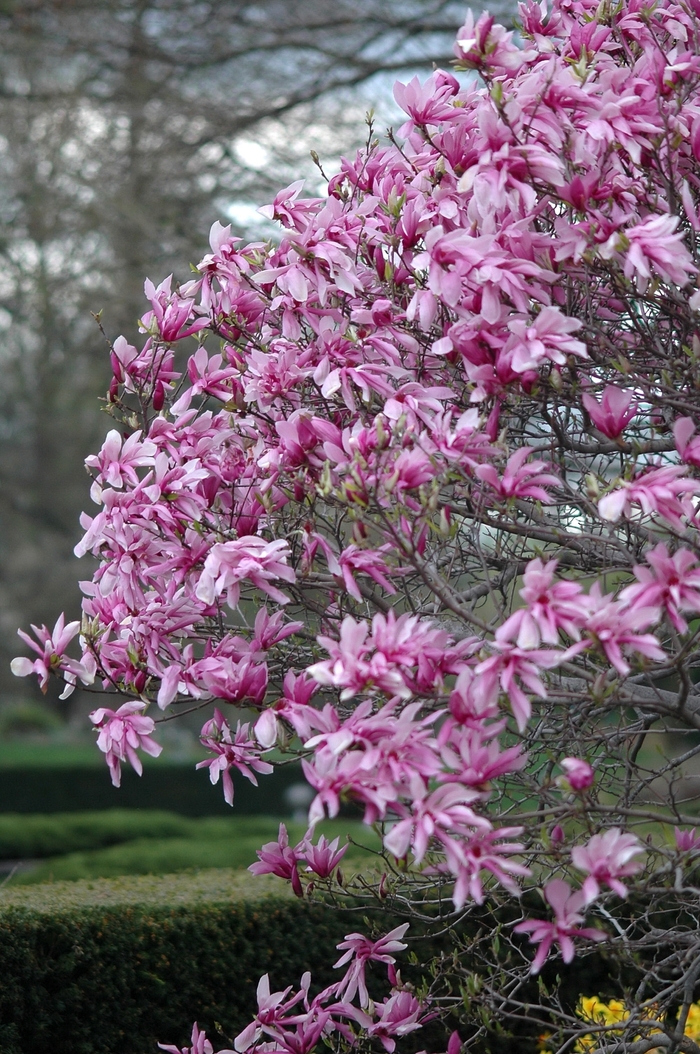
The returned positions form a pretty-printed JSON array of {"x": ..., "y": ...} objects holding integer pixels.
[
  {"x": 547, "y": 338},
  {"x": 122, "y": 733},
  {"x": 384, "y": 660},
  {"x": 468, "y": 858},
  {"x": 269, "y": 630},
  {"x": 267, "y": 728},
  {"x": 426, "y": 103},
  {"x": 278, "y": 858},
  {"x": 296, "y": 1034},
  {"x": 273, "y": 1008},
  {"x": 671, "y": 583},
  {"x": 200, "y": 1044},
  {"x": 617, "y": 628},
  {"x": 472, "y": 755},
  {"x": 358, "y": 951},
  {"x": 399, "y": 1015},
  {"x": 237, "y": 750},
  {"x": 324, "y": 857},
  {"x": 511, "y": 665},
  {"x": 687, "y": 841},
  {"x": 488, "y": 44},
  {"x": 432, "y": 815},
  {"x": 579, "y": 774},
  {"x": 607, "y": 858},
  {"x": 285, "y": 208},
  {"x": 551, "y": 606},
  {"x": 249, "y": 559},
  {"x": 469, "y": 704},
  {"x": 170, "y": 313},
  {"x": 520, "y": 480},
  {"x": 228, "y": 679},
  {"x": 687, "y": 443},
  {"x": 354, "y": 561},
  {"x": 353, "y": 668},
  {"x": 118, "y": 459},
  {"x": 614, "y": 412},
  {"x": 568, "y": 919},
  {"x": 50, "y": 647},
  {"x": 658, "y": 490},
  {"x": 655, "y": 243}
]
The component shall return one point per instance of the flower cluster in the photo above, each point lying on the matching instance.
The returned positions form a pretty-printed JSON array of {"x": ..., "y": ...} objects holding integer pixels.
[{"x": 294, "y": 1022}]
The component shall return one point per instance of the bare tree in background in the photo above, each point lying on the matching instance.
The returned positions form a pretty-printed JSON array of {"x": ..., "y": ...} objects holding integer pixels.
[{"x": 125, "y": 125}]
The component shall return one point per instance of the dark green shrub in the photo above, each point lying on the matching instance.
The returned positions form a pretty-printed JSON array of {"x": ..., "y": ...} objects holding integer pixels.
[
  {"x": 132, "y": 843},
  {"x": 26, "y": 718},
  {"x": 111, "y": 968},
  {"x": 34, "y": 836},
  {"x": 177, "y": 788}
]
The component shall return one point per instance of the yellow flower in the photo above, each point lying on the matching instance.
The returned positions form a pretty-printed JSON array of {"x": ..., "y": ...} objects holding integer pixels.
[{"x": 594, "y": 1010}]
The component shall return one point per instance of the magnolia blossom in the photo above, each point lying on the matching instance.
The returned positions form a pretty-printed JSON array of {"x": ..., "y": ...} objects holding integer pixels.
[
  {"x": 200, "y": 1044},
  {"x": 687, "y": 443},
  {"x": 520, "y": 480},
  {"x": 324, "y": 857},
  {"x": 484, "y": 851},
  {"x": 579, "y": 774},
  {"x": 385, "y": 659},
  {"x": 614, "y": 411},
  {"x": 568, "y": 918},
  {"x": 657, "y": 243},
  {"x": 548, "y": 338},
  {"x": 249, "y": 559},
  {"x": 278, "y": 858},
  {"x": 118, "y": 459},
  {"x": 550, "y": 606},
  {"x": 670, "y": 582},
  {"x": 122, "y": 733},
  {"x": 606, "y": 858},
  {"x": 617, "y": 629},
  {"x": 384, "y": 424},
  {"x": 50, "y": 646},
  {"x": 687, "y": 841},
  {"x": 236, "y": 750},
  {"x": 663, "y": 491},
  {"x": 397, "y": 1016},
  {"x": 358, "y": 950}
]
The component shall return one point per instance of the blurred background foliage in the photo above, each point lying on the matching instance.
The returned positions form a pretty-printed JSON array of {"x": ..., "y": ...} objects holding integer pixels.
[{"x": 126, "y": 128}]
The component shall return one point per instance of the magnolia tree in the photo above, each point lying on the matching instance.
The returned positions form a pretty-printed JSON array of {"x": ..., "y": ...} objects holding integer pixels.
[{"x": 419, "y": 486}]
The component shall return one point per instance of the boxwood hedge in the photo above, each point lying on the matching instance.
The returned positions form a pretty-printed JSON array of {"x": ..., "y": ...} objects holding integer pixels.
[{"x": 113, "y": 967}]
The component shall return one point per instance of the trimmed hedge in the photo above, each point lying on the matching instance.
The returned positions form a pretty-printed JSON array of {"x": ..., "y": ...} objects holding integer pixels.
[
  {"x": 177, "y": 788},
  {"x": 34, "y": 836},
  {"x": 124, "y": 842},
  {"x": 113, "y": 967}
]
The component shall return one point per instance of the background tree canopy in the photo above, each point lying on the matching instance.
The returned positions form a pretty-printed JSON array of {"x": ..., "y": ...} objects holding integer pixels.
[{"x": 125, "y": 126}]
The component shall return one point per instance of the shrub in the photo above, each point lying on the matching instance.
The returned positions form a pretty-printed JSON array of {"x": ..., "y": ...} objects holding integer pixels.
[
  {"x": 154, "y": 844},
  {"x": 112, "y": 967}
]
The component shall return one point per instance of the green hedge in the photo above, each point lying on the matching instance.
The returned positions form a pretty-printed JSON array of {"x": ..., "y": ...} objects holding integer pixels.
[
  {"x": 112, "y": 967},
  {"x": 124, "y": 842},
  {"x": 25, "y": 836},
  {"x": 177, "y": 788}
]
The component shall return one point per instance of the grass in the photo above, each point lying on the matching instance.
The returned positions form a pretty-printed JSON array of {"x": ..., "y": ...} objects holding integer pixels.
[{"x": 161, "y": 843}]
